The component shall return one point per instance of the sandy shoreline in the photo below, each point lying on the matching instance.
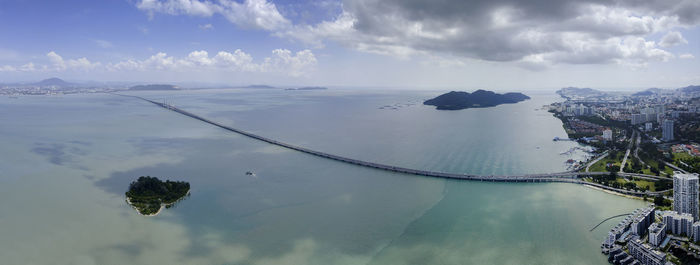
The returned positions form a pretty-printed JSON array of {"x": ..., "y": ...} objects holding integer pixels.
[
  {"x": 162, "y": 205},
  {"x": 613, "y": 192}
]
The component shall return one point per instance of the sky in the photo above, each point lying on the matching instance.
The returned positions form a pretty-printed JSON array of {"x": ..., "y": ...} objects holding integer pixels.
[{"x": 466, "y": 44}]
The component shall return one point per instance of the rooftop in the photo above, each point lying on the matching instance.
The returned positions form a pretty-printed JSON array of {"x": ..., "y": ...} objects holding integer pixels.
[{"x": 681, "y": 175}]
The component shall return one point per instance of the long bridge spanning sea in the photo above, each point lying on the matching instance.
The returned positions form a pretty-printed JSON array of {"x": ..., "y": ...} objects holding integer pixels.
[{"x": 563, "y": 177}]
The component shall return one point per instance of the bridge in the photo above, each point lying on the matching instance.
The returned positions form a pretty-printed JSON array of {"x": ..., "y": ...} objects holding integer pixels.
[{"x": 563, "y": 177}]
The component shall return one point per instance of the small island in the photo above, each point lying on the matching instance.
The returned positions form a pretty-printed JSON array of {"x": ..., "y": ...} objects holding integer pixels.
[
  {"x": 457, "y": 100},
  {"x": 259, "y": 87},
  {"x": 148, "y": 195}
]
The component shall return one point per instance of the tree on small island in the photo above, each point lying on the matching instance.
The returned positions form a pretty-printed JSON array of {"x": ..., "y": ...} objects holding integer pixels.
[
  {"x": 149, "y": 194},
  {"x": 457, "y": 100}
]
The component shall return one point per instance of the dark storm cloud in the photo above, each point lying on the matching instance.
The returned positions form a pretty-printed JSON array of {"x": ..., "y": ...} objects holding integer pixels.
[{"x": 567, "y": 31}]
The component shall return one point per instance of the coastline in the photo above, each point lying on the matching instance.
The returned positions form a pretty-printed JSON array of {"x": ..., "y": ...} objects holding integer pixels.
[
  {"x": 162, "y": 205},
  {"x": 613, "y": 192}
]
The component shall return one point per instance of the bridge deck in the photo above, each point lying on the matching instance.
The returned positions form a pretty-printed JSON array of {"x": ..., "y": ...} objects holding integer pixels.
[{"x": 564, "y": 177}]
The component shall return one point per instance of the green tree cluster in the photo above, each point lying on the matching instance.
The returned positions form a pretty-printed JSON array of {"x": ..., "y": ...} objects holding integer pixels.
[{"x": 147, "y": 194}]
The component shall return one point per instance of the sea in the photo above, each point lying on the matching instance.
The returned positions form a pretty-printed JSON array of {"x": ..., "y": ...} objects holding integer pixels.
[{"x": 66, "y": 162}]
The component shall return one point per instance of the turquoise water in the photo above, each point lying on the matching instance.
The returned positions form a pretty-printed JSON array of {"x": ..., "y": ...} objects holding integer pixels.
[{"x": 66, "y": 162}]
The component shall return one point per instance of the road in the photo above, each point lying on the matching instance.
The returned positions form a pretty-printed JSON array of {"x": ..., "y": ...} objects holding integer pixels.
[
  {"x": 627, "y": 154},
  {"x": 605, "y": 154},
  {"x": 675, "y": 167}
]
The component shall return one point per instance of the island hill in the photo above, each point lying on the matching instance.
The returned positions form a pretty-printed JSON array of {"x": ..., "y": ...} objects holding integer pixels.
[
  {"x": 148, "y": 195},
  {"x": 456, "y": 100}
]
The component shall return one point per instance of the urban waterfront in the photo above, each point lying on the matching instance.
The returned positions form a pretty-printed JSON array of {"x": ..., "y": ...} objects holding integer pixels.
[{"x": 297, "y": 209}]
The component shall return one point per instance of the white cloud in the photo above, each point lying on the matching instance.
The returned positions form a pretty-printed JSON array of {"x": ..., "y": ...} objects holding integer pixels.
[
  {"x": 28, "y": 67},
  {"x": 200, "y": 58},
  {"x": 56, "y": 60},
  {"x": 206, "y": 27},
  {"x": 532, "y": 34},
  {"x": 176, "y": 7},
  {"x": 7, "y": 68},
  {"x": 296, "y": 64},
  {"x": 686, "y": 56},
  {"x": 249, "y": 14},
  {"x": 254, "y": 13},
  {"x": 671, "y": 39},
  {"x": 238, "y": 60},
  {"x": 73, "y": 64},
  {"x": 282, "y": 61},
  {"x": 632, "y": 51}
]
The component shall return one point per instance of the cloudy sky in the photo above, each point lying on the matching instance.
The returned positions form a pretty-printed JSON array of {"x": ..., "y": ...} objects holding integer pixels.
[{"x": 497, "y": 44}]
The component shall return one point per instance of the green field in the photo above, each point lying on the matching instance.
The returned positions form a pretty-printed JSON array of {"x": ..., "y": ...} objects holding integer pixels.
[
  {"x": 615, "y": 158},
  {"x": 640, "y": 183}
]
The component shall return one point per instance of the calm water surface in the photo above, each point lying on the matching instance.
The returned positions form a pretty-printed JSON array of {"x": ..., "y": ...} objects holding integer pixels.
[{"x": 67, "y": 161}]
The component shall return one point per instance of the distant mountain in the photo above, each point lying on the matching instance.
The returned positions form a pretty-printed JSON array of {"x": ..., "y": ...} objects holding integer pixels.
[
  {"x": 569, "y": 92},
  {"x": 648, "y": 92},
  {"x": 154, "y": 87},
  {"x": 259, "y": 86},
  {"x": 308, "y": 88},
  {"x": 456, "y": 100},
  {"x": 55, "y": 82},
  {"x": 690, "y": 89},
  {"x": 644, "y": 93}
]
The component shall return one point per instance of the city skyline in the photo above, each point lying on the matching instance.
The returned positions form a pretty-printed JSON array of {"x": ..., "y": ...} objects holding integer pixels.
[{"x": 620, "y": 45}]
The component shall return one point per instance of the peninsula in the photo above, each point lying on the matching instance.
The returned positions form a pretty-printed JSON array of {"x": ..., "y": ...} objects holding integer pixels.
[
  {"x": 457, "y": 100},
  {"x": 148, "y": 195}
]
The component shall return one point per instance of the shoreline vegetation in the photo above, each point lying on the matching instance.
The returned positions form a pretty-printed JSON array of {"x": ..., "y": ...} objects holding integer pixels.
[{"x": 149, "y": 195}]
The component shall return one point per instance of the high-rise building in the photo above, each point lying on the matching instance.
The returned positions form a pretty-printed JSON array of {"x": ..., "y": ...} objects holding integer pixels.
[
  {"x": 641, "y": 221},
  {"x": 659, "y": 109},
  {"x": 657, "y": 233},
  {"x": 647, "y": 126},
  {"x": 668, "y": 130},
  {"x": 607, "y": 135},
  {"x": 660, "y": 118},
  {"x": 685, "y": 193},
  {"x": 638, "y": 119},
  {"x": 696, "y": 231},
  {"x": 644, "y": 253},
  {"x": 650, "y": 117},
  {"x": 678, "y": 224}
]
